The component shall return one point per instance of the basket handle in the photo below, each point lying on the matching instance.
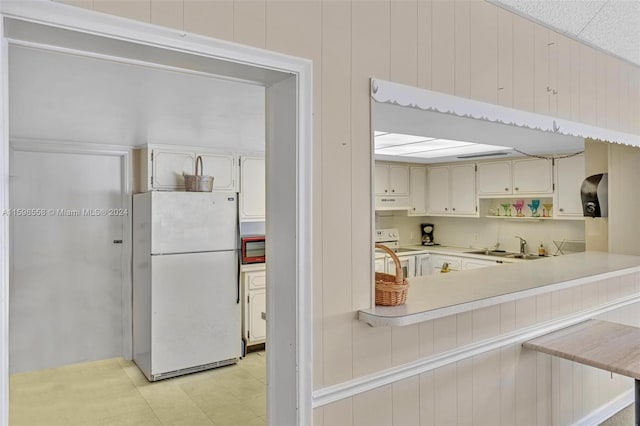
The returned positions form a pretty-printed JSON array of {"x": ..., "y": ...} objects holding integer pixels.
[
  {"x": 399, "y": 275},
  {"x": 199, "y": 161}
]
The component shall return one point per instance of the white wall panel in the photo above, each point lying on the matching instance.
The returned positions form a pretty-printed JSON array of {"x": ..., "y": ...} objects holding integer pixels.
[
  {"x": 167, "y": 13},
  {"x": 249, "y": 22},
  {"x": 403, "y": 37}
]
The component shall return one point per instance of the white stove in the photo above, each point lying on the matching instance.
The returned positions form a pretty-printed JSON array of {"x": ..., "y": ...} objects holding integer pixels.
[
  {"x": 388, "y": 237},
  {"x": 391, "y": 238},
  {"x": 412, "y": 264}
]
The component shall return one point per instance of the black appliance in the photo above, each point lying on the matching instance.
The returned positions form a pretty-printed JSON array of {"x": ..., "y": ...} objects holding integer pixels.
[
  {"x": 427, "y": 234},
  {"x": 595, "y": 195}
]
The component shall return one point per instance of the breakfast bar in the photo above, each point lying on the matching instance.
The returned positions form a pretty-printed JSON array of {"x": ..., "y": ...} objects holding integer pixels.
[{"x": 436, "y": 296}]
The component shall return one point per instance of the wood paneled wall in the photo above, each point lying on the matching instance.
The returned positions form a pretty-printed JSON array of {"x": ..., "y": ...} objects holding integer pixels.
[
  {"x": 506, "y": 386},
  {"x": 467, "y": 48}
]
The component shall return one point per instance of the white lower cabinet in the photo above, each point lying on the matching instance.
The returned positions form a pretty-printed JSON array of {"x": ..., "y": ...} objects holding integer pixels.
[
  {"x": 408, "y": 264},
  {"x": 423, "y": 265},
  {"x": 380, "y": 265},
  {"x": 468, "y": 263},
  {"x": 437, "y": 260},
  {"x": 254, "y": 304}
]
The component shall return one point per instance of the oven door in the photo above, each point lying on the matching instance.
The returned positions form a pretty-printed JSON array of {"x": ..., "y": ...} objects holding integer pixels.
[{"x": 408, "y": 264}]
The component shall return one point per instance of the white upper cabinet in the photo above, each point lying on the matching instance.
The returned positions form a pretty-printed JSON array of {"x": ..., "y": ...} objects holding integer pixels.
[
  {"x": 570, "y": 172},
  {"x": 532, "y": 176},
  {"x": 222, "y": 168},
  {"x": 168, "y": 167},
  {"x": 162, "y": 167},
  {"x": 381, "y": 179},
  {"x": 494, "y": 178},
  {"x": 391, "y": 179},
  {"x": 451, "y": 190},
  {"x": 392, "y": 186},
  {"x": 517, "y": 177},
  {"x": 463, "y": 194},
  {"x": 252, "y": 189},
  {"x": 438, "y": 190},
  {"x": 418, "y": 190}
]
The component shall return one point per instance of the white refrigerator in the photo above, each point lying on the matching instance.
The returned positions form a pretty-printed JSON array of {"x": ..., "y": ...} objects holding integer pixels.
[{"x": 186, "y": 310}]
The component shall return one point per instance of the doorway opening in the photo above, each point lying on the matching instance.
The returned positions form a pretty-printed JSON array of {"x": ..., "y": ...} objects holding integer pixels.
[{"x": 286, "y": 85}]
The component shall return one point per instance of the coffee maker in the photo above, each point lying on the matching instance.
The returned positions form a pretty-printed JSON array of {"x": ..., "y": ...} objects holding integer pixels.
[{"x": 427, "y": 234}]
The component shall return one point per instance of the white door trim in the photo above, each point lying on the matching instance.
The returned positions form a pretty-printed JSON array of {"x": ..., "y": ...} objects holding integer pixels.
[
  {"x": 124, "y": 153},
  {"x": 296, "y": 330}
]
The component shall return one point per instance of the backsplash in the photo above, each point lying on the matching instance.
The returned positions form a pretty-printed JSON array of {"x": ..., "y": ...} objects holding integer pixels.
[{"x": 484, "y": 232}]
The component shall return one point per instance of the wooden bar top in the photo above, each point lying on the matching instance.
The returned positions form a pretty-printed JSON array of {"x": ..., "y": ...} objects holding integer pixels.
[{"x": 602, "y": 344}]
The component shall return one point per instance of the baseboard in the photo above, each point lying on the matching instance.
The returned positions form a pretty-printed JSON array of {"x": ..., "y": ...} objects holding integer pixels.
[{"x": 609, "y": 409}]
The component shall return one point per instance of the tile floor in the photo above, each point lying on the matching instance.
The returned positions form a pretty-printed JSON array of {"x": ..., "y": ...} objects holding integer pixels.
[{"x": 114, "y": 392}]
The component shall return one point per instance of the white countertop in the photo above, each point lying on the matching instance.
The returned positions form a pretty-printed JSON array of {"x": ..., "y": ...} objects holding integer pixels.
[
  {"x": 435, "y": 296},
  {"x": 449, "y": 250}
]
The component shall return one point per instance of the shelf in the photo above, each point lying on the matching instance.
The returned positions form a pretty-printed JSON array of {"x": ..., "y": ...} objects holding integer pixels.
[{"x": 520, "y": 218}]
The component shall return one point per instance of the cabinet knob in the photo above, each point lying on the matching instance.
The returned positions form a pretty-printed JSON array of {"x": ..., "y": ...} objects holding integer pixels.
[
  {"x": 414, "y": 209},
  {"x": 446, "y": 209},
  {"x": 506, "y": 189},
  {"x": 386, "y": 190},
  {"x": 393, "y": 190},
  {"x": 561, "y": 209},
  {"x": 454, "y": 209},
  {"x": 516, "y": 188}
]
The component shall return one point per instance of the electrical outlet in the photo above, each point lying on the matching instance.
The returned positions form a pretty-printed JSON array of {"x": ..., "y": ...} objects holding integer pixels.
[{"x": 476, "y": 237}]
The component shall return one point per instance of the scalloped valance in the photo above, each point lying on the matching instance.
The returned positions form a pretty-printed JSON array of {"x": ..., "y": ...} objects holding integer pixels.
[{"x": 414, "y": 97}]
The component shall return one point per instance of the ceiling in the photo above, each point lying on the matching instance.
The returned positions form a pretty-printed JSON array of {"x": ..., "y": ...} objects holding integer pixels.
[{"x": 610, "y": 25}]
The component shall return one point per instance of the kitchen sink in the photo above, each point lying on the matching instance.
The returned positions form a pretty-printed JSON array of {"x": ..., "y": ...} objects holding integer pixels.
[
  {"x": 524, "y": 256},
  {"x": 499, "y": 253},
  {"x": 502, "y": 253}
]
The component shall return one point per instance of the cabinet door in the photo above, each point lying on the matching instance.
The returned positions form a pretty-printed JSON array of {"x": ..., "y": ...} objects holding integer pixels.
[
  {"x": 532, "y": 176},
  {"x": 381, "y": 179},
  {"x": 418, "y": 191},
  {"x": 399, "y": 180},
  {"x": 494, "y": 178},
  {"x": 477, "y": 264},
  {"x": 438, "y": 190},
  {"x": 257, "y": 329},
  {"x": 570, "y": 173},
  {"x": 423, "y": 265},
  {"x": 380, "y": 265},
  {"x": 256, "y": 280},
  {"x": 252, "y": 189},
  {"x": 221, "y": 167},
  {"x": 463, "y": 189},
  {"x": 407, "y": 263},
  {"x": 168, "y": 167}
]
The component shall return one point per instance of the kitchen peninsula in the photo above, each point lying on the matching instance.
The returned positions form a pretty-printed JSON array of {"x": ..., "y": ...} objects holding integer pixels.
[
  {"x": 436, "y": 296},
  {"x": 460, "y": 336}
]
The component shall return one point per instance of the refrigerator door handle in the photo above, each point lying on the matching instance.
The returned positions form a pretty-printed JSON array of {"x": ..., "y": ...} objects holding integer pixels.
[{"x": 238, "y": 282}]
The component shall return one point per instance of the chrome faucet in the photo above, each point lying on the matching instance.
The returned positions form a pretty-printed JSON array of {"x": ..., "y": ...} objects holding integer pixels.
[{"x": 523, "y": 245}]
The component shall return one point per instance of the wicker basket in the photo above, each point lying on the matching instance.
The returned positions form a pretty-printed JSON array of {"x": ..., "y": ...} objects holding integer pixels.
[
  {"x": 198, "y": 182},
  {"x": 391, "y": 290}
]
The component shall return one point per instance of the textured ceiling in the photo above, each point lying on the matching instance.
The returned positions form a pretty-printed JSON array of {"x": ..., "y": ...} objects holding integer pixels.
[{"x": 611, "y": 25}]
